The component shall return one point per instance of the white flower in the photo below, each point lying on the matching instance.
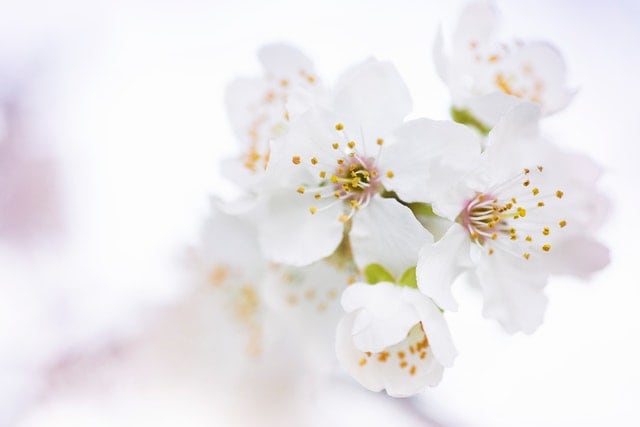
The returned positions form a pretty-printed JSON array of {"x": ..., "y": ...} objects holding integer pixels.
[
  {"x": 478, "y": 65},
  {"x": 525, "y": 211},
  {"x": 228, "y": 263},
  {"x": 331, "y": 168},
  {"x": 393, "y": 338},
  {"x": 260, "y": 108},
  {"x": 307, "y": 300}
]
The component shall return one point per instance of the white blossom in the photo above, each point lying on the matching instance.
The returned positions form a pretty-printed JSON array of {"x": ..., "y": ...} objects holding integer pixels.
[
  {"x": 331, "y": 169},
  {"x": 484, "y": 74},
  {"x": 525, "y": 211},
  {"x": 393, "y": 338},
  {"x": 261, "y": 108}
]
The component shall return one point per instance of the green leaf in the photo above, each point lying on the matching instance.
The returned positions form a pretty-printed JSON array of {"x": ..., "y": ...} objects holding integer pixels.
[
  {"x": 408, "y": 278},
  {"x": 375, "y": 273},
  {"x": 465, "y": 117}
]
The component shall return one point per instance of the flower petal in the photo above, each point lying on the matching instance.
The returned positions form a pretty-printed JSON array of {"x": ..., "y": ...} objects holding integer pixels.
[
  {"x": 372, "y": 100},
  {"x": 488, "y": 109},
  {"x": 579, "y": 256},
  {"x": 440, "y": 263},
  {"x": 437, "y": 331},
  {"x": 290, "y": 234},
  {"x": 476, "y": 25},
  {"x": 512, "y": 292},
  {"x": 387, "y": 233},
  {"x": 241, "y": 95},
  {"x": 384, "y": 314},
  {"x": 427, "y": 157},
  {"x": 282, "y": 60},
  {"x": 547, "y": 64}
]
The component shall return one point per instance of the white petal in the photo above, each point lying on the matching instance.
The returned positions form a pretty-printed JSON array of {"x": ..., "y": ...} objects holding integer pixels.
[
  {"x": 437, "y": 331},
  {"x": 387, "y": 233},
  {"x": 241, "y": 96},
  {"x": 427, "y": 157},
  {"x": 372, "y": 100},
  {"x": 512, "y": 292},
  {"x": 281, "y": 60},
  {"x": 440, "y": 263},
  {"x": 476, "y": 24},
  {"x": 512, "y": 143},
  {"x": 307, "y": 299},
  {"x": 579, "y": 256},
  {"x": 450, "y": 203},
  {"x": 290, "y": 234},
  {"x": 440, "y": 59},
  {"x": 235, "y": 171},
  {"x": 384, "y": 314},
  {"x": 374, "y": 334},
  {"x": 488, "y": 109},
  {"x": 520, "y": 122},
  {"x": 382, "y": 301},
  {"x": 350, "y": 357},
  {"x": 548, "y": 67}
]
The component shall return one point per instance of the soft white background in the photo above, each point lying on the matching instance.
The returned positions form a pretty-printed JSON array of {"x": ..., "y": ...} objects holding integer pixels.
[{"x": 131, "y": 96}]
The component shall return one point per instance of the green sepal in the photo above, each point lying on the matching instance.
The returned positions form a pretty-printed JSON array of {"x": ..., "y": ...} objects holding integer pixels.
[
  {"x": 375, "y": 273},
  {"x": 408, "y": 278},
  {"x": 421, "y": 209},
  {"x": 465, "y": 117}
]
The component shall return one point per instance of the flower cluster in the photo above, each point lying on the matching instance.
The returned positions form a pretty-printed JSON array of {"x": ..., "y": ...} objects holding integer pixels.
[{"x": 354, "y": 222}]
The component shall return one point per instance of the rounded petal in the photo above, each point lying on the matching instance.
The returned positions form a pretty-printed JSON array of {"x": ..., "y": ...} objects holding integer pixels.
[
  {"x": 428, "y": 156},
  {"x": 439, "y": 55},
  {"x": 476, "y": 25},
  {"x": 290, "y": 234},
  {"x": 350, "y": 357},
  {"x": 546, "y": 63},
  {"x": 384, "y": 314},
  {"x": 512, "y": 292},
  {"x": 241, "y": 95},
  {"x": 488, "y": 109},
  {"x": 282, "y": 60},
  {"x": 387, "y": 233},
  {"x": 440, "y": 263},
  {"x": 372, "y": 100},
  {"x": 579, "y": 256},
  {"x": 437, "y": 331}
]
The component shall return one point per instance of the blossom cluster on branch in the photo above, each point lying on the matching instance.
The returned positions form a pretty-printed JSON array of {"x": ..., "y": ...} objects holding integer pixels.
[{"x": 354, "y": 222}]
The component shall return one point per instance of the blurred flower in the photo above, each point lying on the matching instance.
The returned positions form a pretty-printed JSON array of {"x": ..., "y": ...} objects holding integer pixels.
[
  {"x": 260, "y": 109},
  {"x": 478, "y": 65}
]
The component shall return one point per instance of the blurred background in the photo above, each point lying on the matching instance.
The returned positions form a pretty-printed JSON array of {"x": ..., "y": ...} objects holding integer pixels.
[{"x": 112, "y": 126}]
